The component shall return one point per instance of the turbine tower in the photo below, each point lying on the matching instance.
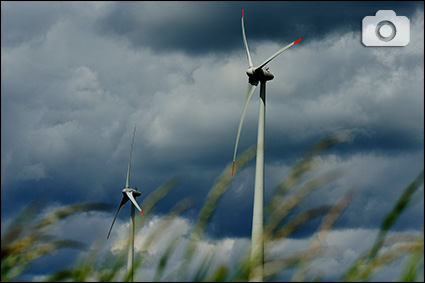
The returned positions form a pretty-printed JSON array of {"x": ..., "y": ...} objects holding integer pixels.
[
  {"x": 129, "y": 194},
  {"x": 257, "y": 75}
]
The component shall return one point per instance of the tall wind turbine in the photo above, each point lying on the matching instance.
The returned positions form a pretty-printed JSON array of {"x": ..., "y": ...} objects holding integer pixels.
[
  {"x": 257, "y": 75},
  {"x": 129, "y": 194}
]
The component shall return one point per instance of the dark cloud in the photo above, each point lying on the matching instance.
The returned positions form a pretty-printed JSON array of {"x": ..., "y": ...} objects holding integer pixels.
[
  {"x": 199, "y": 28},
  {"x": 20, "y": 24}
]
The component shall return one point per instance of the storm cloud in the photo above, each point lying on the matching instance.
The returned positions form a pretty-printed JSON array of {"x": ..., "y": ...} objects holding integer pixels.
[{"x": 77, "y": 76}]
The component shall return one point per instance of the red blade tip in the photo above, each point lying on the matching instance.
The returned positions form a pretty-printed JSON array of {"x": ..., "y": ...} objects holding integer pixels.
[
  {"x": 242, "y": 12},
  {"x": 233, "y": 168},
  {"x": 297, "y": 40},
  {"x": 108, "y": 236},
  {"x": 142, "y": 212}
]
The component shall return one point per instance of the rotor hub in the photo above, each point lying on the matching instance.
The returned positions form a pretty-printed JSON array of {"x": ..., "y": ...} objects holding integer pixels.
[
  {"x": 135, "y": 192},
  {"x": 259, "y": 74}
]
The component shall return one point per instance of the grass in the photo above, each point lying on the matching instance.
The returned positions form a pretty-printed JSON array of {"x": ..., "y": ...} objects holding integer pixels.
[{"x": 27, "y": 238}]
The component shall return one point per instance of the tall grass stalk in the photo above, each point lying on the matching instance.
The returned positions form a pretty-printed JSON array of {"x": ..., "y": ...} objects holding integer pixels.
[
  {"x": 207, "y": 210},
  {"x": 374, "y": 260},
  {"x": 27, "y": 238},
  {"x": 26, "y": 241}
]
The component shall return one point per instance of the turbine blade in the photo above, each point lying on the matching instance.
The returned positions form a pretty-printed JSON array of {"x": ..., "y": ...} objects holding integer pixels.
[
  {"x": 123, "y": 201},
  {"x": 130, "y": 196},
  {"x": 277, "y": 53},
  {"x": 127, "y": 182},
  {"x": 249, "y": 92},
  {"x": 245, "y": 42}
]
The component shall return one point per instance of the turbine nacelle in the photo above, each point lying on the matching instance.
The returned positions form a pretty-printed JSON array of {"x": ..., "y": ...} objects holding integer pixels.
[
  {"x": 135, "y": 192},
  {"x": 259, "y": 74}
]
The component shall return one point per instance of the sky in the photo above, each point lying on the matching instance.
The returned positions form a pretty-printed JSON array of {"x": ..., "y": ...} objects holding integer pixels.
[{"x": 77, "y": 76}]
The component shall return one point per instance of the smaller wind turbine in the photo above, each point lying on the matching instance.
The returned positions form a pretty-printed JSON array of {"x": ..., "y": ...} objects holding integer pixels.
[{"x": 129, "y": 194}]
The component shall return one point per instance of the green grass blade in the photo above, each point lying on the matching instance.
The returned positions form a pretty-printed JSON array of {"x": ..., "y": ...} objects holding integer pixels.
[{"x": 394, "y": 214}]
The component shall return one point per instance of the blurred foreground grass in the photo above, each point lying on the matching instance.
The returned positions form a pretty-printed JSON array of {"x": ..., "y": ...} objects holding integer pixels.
[{"x": 26, "y": 239}]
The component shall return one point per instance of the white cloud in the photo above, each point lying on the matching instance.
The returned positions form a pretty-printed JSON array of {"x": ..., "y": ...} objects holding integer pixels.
[
  {"x": 342, "y": 246},
  {"x": 33, "y": 172}
]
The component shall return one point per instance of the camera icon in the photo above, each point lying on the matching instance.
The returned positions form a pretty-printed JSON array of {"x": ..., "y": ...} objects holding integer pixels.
[{"x": 385, "y": 29}]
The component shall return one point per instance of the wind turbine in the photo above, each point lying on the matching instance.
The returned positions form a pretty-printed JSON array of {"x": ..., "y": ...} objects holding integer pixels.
[
  {"x": 129, "y": 194},
  {"x": 257, "y": 75}
]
